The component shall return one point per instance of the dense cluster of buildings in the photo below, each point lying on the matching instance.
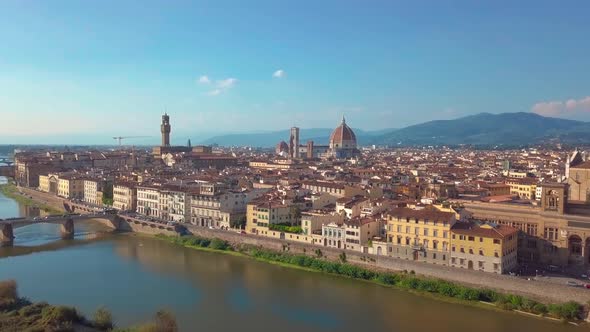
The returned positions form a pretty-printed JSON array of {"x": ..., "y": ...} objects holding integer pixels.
[{"x": 483, "y": 210}]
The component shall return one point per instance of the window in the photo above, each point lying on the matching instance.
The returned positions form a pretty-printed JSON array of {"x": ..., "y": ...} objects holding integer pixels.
[
  {"x": 462, "y": 261},
  {"x": 480, "y": 264},
  {"x": 425, "y": 231},
  {"x": 407, "y": 229},
  {"x": 417, "y": 231},
  {"x": 496, "y": 241},
  {"x": 495, "y": 266},
  {"x": 462, "y": 250},
  {"x": 480, "y": 252},
  {"x": 481, "y": 239},
  {"x": 471, "y": 238},
  {"x": 453, "y": 260},
  {"x": 399, "y": 228},
  {"x": 435, "y": 233},
  {"x": 453, "y": 248}
]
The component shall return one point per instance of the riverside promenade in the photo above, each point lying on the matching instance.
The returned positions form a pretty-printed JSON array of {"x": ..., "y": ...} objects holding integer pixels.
[{"x": 543, "y": 289}]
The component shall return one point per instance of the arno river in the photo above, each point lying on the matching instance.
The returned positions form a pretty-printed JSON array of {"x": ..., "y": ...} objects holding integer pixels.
[{"x": 135, "y": 276}]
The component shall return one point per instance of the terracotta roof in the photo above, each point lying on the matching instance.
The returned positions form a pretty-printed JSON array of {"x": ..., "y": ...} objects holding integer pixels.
[
  {"x": 342, "y": 133},
  {"x": 585, "y": 165},
  {"x": 430, "y": 214},
  {"x": 489, "y": 230}
]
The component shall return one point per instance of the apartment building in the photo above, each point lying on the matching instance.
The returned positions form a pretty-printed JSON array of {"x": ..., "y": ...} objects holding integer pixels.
[
  {"x": 420, "y": 235},
  {"x": 124, "y": 196},
  {"x": 488, "y": 247}
]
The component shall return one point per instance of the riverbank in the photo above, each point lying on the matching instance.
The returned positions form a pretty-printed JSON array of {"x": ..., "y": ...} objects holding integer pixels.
[
  {"x": 408, "y": 281},
  {"x": 19, "y": 314},
  {"x": 11, "y": 191}
]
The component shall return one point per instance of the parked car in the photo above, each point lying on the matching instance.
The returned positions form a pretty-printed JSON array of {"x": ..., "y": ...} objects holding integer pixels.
[
  {"x": 572, "y": 284},
  {"x": 587, "y": 286}
]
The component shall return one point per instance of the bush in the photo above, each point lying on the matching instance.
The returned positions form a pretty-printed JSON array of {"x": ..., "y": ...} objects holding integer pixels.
[
  {"x": 286, "y": 228},
  {"x": 568, "y": 310},
  {"x": 103, "y": 319},
  {"x": 219, "y": 244},
  {"x": 539, "y": 309},
  {"x": 342, "y": 257},
  {"x": 8, "y": 293},
  {"x": 165, "y": 322},
  {"x": 57, "y": 316}
]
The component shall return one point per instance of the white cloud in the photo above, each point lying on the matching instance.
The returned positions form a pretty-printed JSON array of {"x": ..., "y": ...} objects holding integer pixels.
[
  {"x": 214, "y": 92},
  {"x": 220, "y": 85},
  {"x": 204, "y": 79},
  {"x": 571, "y": 108},
  {"x": 279, "y": 73},
  {"x": 227, "y": 83}
]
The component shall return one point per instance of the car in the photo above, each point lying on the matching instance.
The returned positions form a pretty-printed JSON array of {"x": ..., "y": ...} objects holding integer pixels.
[
  {"x": 36, "y": 218},
  {"x": 243, "y": 232},
  {"x": 587, "y": 286},
  {"x": 572, "y": 284}
]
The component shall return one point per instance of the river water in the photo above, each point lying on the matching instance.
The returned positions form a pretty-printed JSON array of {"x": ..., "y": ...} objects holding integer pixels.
[{"x": 134, "y": 276}]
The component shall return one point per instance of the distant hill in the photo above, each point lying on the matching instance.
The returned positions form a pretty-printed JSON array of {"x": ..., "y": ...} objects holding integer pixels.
[
  {"x": 490, "y": 129},
  {"x": 269, "y": 139}
]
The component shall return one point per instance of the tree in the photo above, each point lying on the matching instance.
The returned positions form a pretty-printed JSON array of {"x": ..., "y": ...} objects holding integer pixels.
[
  {"x": 103, "y": 319},
  {"x": 107, "y": 193}
]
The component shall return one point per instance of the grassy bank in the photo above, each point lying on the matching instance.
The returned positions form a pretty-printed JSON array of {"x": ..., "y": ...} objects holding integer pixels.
[
  {"x": 11, "y": 191},
  {"x": 20, "y": 314},
  {"x": 570, "y": 311}
]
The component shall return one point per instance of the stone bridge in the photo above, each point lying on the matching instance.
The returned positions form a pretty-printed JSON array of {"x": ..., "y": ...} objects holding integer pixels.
[
  {"x": 66, "y": 222},
  {"x": 122, "y": 223}
]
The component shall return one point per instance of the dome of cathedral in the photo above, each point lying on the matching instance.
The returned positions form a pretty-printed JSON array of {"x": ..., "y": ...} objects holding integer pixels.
[
  {"x": 343, "y": 137},
  {"x": 282, "y": 147}
]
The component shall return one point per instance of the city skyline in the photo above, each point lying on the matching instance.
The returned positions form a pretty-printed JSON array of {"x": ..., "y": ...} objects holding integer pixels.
[{"x": 119, "y": 66}]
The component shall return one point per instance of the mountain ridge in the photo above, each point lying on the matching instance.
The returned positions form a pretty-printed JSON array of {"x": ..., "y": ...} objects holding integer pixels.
[{"x": 519, "y": 128}]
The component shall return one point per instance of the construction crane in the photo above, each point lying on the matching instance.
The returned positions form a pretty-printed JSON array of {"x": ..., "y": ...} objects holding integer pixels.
[{"x": 120, "y": 138}]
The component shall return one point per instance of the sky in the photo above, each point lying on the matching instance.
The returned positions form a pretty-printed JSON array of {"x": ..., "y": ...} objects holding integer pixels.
[{"x": 83, "y": 71}]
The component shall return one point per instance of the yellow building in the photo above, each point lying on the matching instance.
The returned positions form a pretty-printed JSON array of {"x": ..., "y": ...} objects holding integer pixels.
[
  {"x": 420, "y": 235},
  {"x": 124, "y": 196},
  {"x": 70, "y": 187},
  {"x": 525, "y": 188},
  {"x": 259, "y": 217},
  {"x": 487, "y": 247},
  {"x": 48, "y": 183}
]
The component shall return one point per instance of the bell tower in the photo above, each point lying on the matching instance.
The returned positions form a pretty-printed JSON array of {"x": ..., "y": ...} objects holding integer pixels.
[
  {"x": 554, "y": 197},
  {"x": 165, "y": 129}
]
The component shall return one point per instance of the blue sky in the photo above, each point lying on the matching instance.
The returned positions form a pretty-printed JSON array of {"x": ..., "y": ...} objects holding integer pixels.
[{"x": 81, "y": 70}]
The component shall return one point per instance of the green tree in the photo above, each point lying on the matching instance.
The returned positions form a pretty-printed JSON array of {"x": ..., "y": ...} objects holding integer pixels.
[
  {"x": 103, "y": 319},
  {"x": 107, "y": 194}
]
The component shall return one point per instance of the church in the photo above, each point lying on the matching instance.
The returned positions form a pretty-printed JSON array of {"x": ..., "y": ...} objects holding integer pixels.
[{"x": 342, "y": 145}]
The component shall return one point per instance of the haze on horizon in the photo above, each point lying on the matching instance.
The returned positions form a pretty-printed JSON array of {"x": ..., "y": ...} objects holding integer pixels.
[{"x": 86, "y": 71}]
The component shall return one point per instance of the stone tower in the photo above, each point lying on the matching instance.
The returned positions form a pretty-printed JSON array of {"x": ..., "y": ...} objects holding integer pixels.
[
  {"x": 165, "y": 128},
  {"x": 294, "y": 143},
  {"x": 554, "y": 197}
]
